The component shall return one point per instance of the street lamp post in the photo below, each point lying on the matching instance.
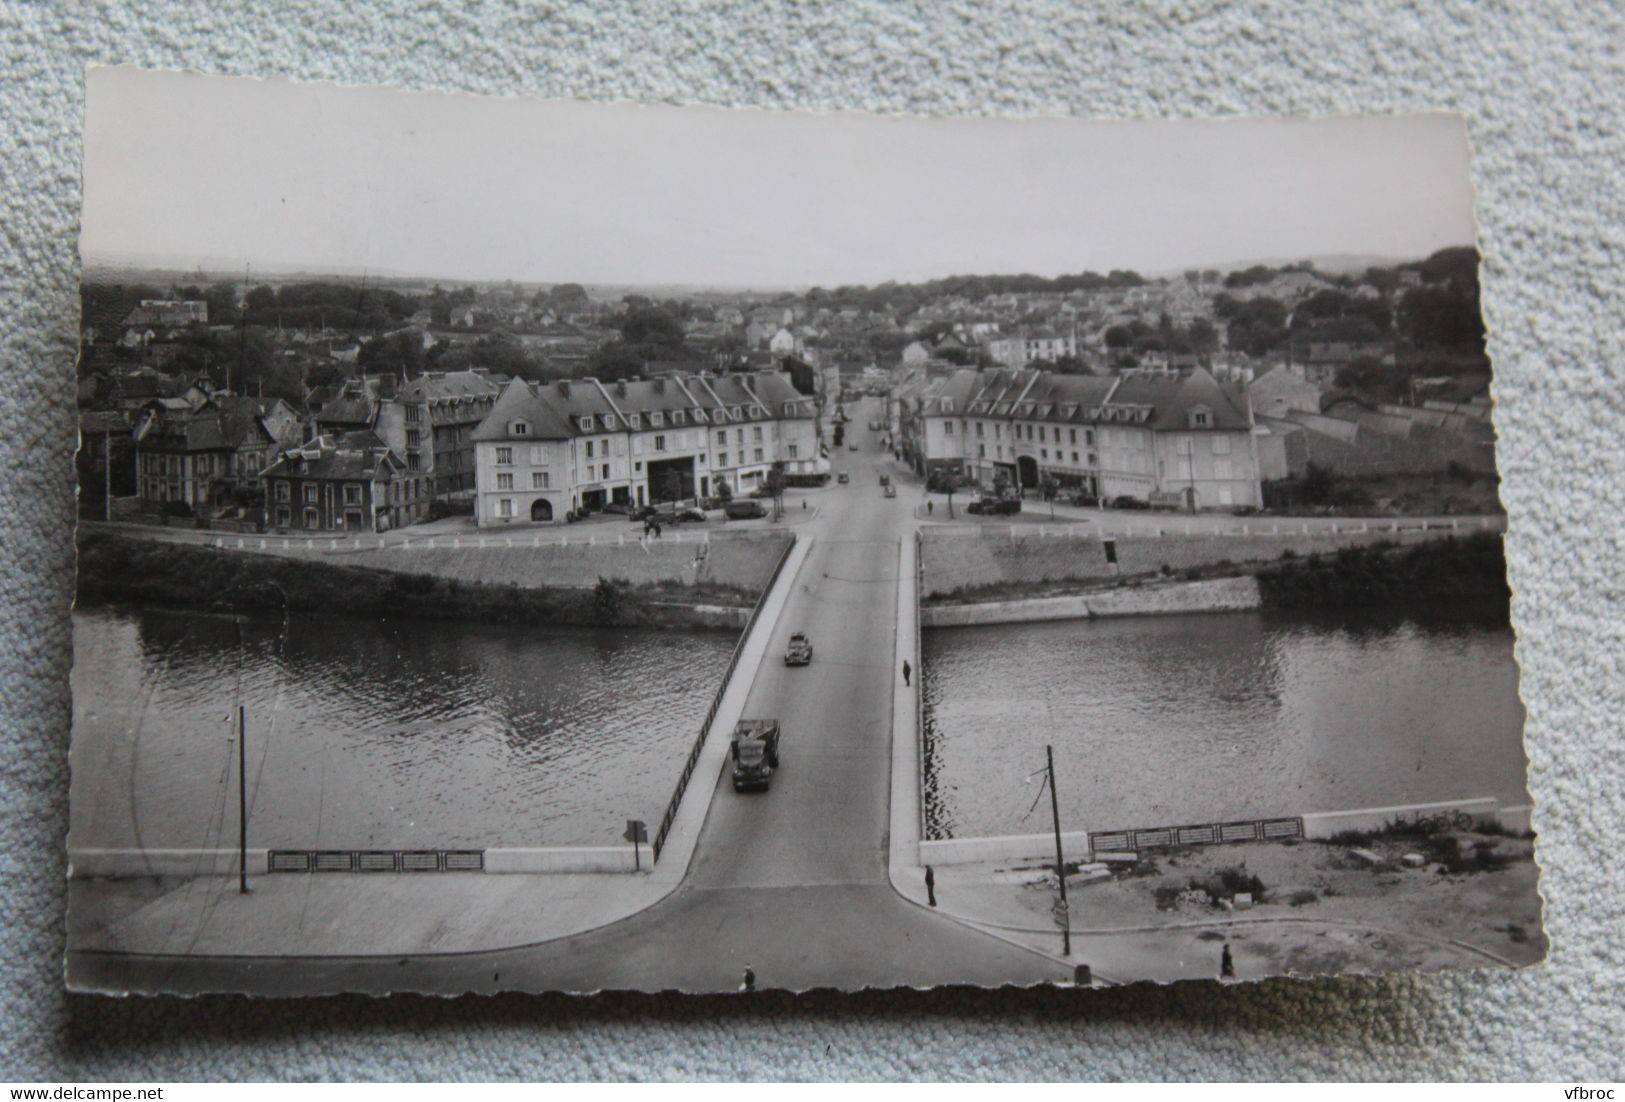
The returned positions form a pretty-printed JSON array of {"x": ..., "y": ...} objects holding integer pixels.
[{"x": 1060, "y": 862}]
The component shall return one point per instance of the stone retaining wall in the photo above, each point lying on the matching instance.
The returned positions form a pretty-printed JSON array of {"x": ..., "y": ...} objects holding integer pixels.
[
  {"x": 955, "y": 560},
  {"x": 1151, "y": 599},
  {"x": 745, "y": 560}
]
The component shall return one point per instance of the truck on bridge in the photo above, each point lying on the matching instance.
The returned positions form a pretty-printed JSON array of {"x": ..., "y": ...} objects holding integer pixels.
[{"x": 755, "y": 751}]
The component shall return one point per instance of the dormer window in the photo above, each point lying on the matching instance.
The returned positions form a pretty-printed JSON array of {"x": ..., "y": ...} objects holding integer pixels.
[
  {"x": 699, "y": 417},
  {"x": 609, "y": 422},
  {"x": 947, "y": 405},
  {"x": 656, "y": 419},
  {"x": 736, "y": 414},
  {"x": 1201, "y": 418},
  {"x": 521, "y": 428},
  {"x": 677, "y": 417},
  {"x": 585, "y": 423},
  {"x": 636, "y": 419},
  {"x": 789, "y": 409}
]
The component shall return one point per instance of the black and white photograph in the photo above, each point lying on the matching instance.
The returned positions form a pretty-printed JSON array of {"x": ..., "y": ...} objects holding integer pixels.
[{"x": 552, "y": 546}]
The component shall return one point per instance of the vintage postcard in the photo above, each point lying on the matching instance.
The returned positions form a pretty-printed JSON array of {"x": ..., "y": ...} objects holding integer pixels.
[{"x": 568, "y": 547}]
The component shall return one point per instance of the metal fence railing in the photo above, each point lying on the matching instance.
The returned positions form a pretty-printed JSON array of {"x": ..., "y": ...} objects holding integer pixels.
[
  {"x": 375, "y": 860},
  {"x": 716, "y": 702},
  {"x": 1201, "y": 834}
]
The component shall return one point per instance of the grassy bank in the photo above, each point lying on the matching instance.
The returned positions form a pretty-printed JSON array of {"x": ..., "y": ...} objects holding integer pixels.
[
  {"x": 1474, "y": 566},
  {"x": 120, "y": 568}
]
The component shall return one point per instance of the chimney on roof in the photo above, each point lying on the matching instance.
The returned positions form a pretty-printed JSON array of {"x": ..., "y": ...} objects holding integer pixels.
[
  {"x": 620, "y": 389},
  {"x": 660, "y": 385},
  {"x": 564, "y": 388}
]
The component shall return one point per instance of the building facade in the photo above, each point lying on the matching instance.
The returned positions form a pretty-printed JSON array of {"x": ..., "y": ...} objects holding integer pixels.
[
  {"x": 349, "y": 483},
  {"x": 201, "y": 458},
  {"x": 547, "y": 449},
  {"x": 1180, "y": 439}
]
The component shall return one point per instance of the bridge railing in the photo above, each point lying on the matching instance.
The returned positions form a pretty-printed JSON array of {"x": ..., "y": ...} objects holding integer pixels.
[{"x": 693, "y": 759}]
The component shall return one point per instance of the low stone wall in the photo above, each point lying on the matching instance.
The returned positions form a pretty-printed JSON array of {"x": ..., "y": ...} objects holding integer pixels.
[
  {"x": 1328, "y": 823},
  {"x": 744, "y": 560},
  {"x": 1316, "y": 826},
  {"x": 116, "y": 864},
  {"x": 1009, "y": 847},
  {"x": 85, "y": 862},
  {"x": 954, "y": 560},
  {"x": 1154, "y": 599},
  {"x": 554, "y": 859}
]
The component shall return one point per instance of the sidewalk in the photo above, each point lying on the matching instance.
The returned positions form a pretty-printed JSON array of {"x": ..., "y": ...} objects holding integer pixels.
[
  {"x": 1013, "y": 900},
  {"x": 399, "y": 914}
]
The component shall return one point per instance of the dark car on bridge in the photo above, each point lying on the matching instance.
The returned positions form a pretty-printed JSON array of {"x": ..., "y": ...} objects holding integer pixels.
[{"x": 755, "y": 751}]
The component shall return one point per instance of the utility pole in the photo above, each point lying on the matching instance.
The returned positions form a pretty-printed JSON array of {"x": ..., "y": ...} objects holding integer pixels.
[
  {"x": 1060, "y": 862},
  {"x": 242, "y": 800},
  {"x": 107, "y": 474}
]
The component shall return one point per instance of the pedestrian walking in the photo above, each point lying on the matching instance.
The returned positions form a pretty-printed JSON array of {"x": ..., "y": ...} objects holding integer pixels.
[
  {"x": 657, "y": 530},
  {"x": 930, "y": 506},
  {"x": 1227, "y": 965},
  {"x": 931, "y": 885},
  {"x": 749, "y": 982},
  {"x": 906, "y": 671}
]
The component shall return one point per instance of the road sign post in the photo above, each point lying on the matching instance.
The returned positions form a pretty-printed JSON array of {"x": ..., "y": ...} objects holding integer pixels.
[{"x": 636, "y": 831}]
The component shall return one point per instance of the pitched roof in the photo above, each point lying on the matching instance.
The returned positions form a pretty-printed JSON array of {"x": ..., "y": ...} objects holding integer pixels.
[
  {"x": 354, "y": 456},
  {"x": 442, "y": 385},
  {"x": 518, "y": 402},
  {"x": 1175, "y": 396}
]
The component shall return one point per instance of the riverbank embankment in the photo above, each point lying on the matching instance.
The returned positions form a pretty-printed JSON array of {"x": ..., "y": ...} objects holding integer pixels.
[
  {"x": 627, "y": 585},
  {"x": 983, "y": 580}
]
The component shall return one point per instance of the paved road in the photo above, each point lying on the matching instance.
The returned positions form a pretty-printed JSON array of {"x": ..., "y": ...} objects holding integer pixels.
[{"x": 792, "y": 881}]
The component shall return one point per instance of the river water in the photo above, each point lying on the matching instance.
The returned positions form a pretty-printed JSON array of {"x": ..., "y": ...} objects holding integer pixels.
[
  {"x": 1170, "y": 720},
  {"x": 372, "y": 734}
]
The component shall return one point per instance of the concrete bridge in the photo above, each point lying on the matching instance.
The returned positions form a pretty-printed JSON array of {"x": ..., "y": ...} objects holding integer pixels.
[{"x": 816, "y": 883}]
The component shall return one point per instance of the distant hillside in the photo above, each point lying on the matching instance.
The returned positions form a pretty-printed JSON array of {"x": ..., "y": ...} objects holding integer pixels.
[{"x": 1328, "y": 263}]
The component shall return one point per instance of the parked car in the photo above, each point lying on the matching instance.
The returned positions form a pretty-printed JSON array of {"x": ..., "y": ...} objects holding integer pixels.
[
  {"x": 843, "y": 478},
  {"x": 743, "y": 510},
  {"x": 1126, "y": 502},
  {"x": 618, "y": 507},
  {"x": 995, "y": 506},
  {"x": 689, "y": 515},
  {"x": 852, "y": 447}
]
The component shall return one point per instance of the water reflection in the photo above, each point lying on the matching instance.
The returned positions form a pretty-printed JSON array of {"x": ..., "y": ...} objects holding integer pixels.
[
  {"x": 394, "y": 733},
  {"x": 1181, "y": 719}
]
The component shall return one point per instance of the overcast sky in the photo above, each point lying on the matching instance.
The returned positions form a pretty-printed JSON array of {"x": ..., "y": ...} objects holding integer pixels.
[{"x": 183, "y": 170}]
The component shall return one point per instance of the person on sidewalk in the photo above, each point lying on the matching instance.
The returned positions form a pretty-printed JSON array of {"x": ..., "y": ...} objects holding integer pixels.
[
  {"x": 931, "y": 885},
  {"x": 1227, "y": 964},
  {"x": 930, "y": 506},
  {"x": 749, "y": 982},
  {"x": 906, "y": 670}
]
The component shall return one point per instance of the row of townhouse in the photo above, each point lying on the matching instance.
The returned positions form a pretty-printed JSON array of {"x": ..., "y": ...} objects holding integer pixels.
[
  {"x": 202, "y": 456},
  {"x": 1172, "y": 438},
  {"x": 211, "y": 451},
  {"x": 547, "y": 449}
]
